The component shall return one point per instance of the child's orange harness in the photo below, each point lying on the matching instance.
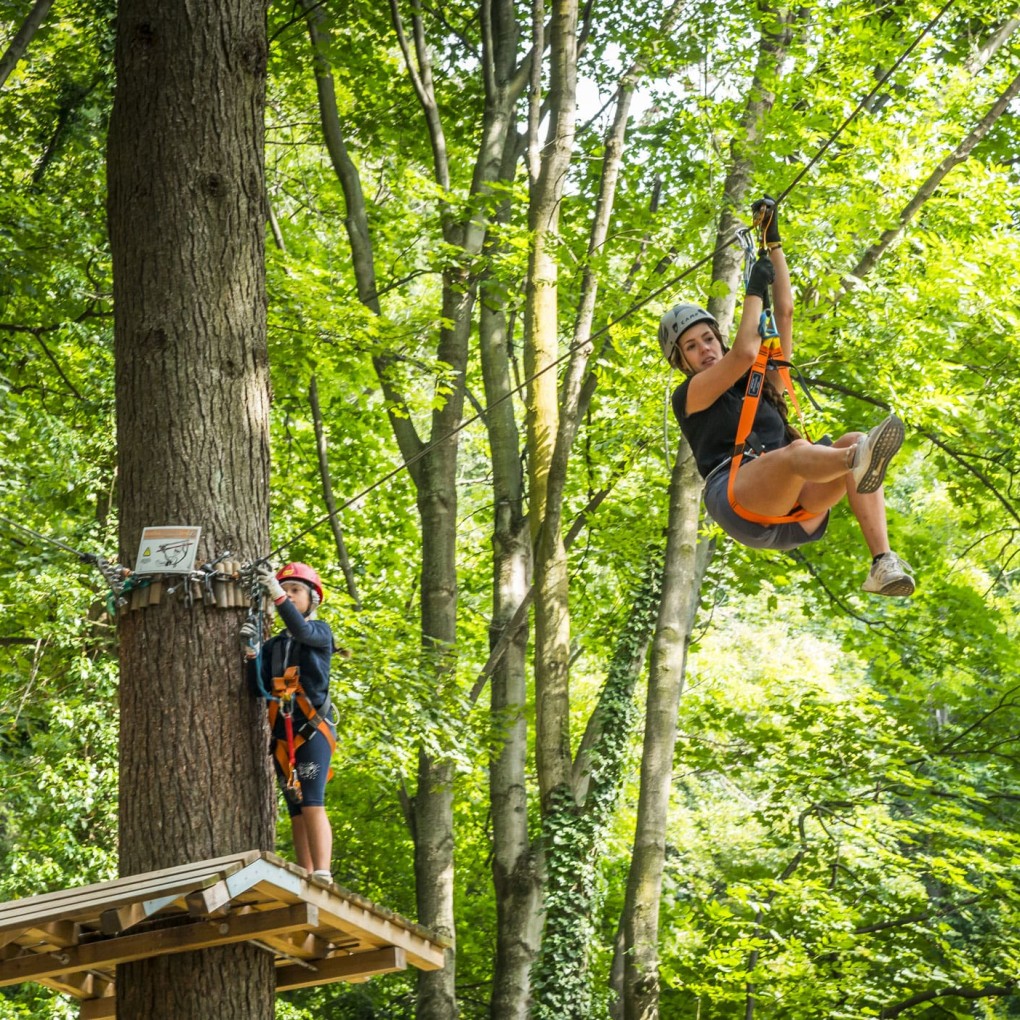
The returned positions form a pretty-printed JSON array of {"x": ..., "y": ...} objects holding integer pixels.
[{"x": 287, "y": 691}]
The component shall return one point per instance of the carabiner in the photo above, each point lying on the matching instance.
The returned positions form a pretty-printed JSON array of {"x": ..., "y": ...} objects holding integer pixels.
[{"x": 767, "y": 325}]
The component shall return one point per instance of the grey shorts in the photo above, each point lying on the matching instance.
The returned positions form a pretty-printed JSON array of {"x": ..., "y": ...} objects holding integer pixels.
[{"x": 782, "y": 537}]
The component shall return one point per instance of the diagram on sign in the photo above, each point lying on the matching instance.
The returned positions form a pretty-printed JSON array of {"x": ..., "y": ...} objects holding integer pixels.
[{"x": 167, "y": 550}]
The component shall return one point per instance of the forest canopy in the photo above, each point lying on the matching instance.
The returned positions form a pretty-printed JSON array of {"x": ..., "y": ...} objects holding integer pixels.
[{"x": 474, "y": 216}]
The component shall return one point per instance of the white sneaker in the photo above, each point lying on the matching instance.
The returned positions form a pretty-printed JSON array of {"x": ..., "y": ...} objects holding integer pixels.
[
  {"x": 873, "y": 453},
  {"x": 889, "y": 575}
]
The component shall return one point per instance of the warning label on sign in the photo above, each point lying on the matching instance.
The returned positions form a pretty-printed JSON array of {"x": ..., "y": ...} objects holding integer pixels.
[{"x": 167, "y": 550}]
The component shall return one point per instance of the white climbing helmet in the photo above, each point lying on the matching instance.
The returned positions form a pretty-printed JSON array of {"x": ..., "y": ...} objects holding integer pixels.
[{"x": 676, "y": 320}]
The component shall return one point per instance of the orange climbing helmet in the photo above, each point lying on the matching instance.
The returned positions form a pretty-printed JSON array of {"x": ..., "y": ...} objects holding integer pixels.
[{"x": 301, "y": 572}]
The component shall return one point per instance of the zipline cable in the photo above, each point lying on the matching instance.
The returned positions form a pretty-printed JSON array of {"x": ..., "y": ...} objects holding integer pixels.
[
  {"x": 636, "y": 306},
  {"x": 429, "y": 447},
  {"x": 861, "y": 105},
  {"x": 83, "y": 557}
]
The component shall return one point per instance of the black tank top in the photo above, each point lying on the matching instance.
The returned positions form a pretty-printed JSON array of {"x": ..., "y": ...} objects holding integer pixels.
[{"x": 713, "y": 431}]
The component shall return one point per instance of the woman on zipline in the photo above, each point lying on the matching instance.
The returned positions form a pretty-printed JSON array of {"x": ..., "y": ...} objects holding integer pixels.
[{"x": 788, "y": 472}]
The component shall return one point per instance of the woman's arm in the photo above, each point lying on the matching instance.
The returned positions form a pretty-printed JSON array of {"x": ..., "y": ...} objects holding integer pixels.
[
  {"x": 782, "y": 301},
  {"x": 707, "y": 386}
]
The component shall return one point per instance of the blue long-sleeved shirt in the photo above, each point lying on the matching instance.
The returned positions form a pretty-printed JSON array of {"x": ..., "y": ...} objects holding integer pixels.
[{"x": 307, "y": 644}]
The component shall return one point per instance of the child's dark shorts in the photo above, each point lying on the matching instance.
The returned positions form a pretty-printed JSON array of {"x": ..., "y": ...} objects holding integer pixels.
[
  {"x": 781, "y": 537},
  {"x": 312, "y": 764}
]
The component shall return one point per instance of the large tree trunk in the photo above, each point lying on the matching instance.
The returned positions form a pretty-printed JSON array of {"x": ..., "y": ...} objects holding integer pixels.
[{"x": 186, "y": 215}]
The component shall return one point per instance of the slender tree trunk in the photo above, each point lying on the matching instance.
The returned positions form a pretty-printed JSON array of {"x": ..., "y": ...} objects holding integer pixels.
[
  {"x": 187, "y": 216},
  {"x": 552, "y": 627},
  {"x": 575, "y": 829},
  {"x": 735, "y": 209},
  {"x": 322, "y": 448},
  {"x": 552, "y": 622},
  {"x": 433, "y": 801},
  {"x": 682, "y": 578},
  {"x": 435, "y": 474},
  {"x": 515, "y": 874}
]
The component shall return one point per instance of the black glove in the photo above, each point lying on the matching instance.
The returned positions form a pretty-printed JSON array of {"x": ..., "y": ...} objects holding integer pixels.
[
  {"x": 765, "y": 211},
  {"x": 761, "y": 276}
]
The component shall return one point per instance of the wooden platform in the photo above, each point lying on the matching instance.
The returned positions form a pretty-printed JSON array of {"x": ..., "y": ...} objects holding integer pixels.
[{"x": 73, "y": 940}]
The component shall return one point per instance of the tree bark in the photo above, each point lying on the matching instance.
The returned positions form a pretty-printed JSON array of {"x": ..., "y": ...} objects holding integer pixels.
[
  {"x": 515, "y": 866},
  {"x": 686, "y": 562},
  {"x": 726, "y": 263},
  {"x": 186, "y": 207},
  {"x": 683, "y": 578},
  {"x": 434, "y": 475},
  {"x": 541, "y": 334}
]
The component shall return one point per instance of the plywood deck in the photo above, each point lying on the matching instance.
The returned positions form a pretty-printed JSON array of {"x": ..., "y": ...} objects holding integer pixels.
[{"x": 72, "y": 940}]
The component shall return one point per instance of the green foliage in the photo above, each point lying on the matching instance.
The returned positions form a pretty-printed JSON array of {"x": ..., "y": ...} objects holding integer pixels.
[{"x": 845, "y": 765}]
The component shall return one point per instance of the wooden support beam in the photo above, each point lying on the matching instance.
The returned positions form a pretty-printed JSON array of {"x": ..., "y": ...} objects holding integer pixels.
[
  {"x": 178, "y": 939},
  {"x": 98, "y": 1009},
  {"x": 211, "y": 902},
  {"x": 362, "y": 922},
  {"x": 118, "y": 919},
  {"x": 300, "y": 944},
  {"x": 355, "y": 967},
  {"x": 356, "y": 919},
  {"x": 59, "y": 933}
]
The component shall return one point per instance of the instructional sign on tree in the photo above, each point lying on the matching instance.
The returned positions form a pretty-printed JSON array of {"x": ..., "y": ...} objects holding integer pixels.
[{"x": 167, "y": 550}]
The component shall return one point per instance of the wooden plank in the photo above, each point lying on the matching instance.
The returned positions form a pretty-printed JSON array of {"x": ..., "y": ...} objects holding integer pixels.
[
  {"x": 68, "y": 904},
  {"x": 355, "y": 967},
  {"x": 367, "y": 925},
  {"x": 208, "y": 902},
  {"x": 162, "y": 941},
  {"x": 98, "y": 1009}
]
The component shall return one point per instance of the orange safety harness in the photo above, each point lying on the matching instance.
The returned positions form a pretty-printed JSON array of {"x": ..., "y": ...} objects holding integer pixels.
[
  {"x": 770, "y": 347},
  {"x": 286, "y": 693}
]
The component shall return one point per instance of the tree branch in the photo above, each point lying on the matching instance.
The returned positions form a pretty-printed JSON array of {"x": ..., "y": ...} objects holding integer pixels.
[
  {"x": 971, "y": 994},
  {"x": 19, "y": 44},
  {"x": 327, "y": 493}
]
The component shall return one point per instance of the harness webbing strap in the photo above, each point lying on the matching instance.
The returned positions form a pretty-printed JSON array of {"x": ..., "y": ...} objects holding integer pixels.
[
  {"x": 286, "y": 694},
  {"x": 748, "y": 411}
]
